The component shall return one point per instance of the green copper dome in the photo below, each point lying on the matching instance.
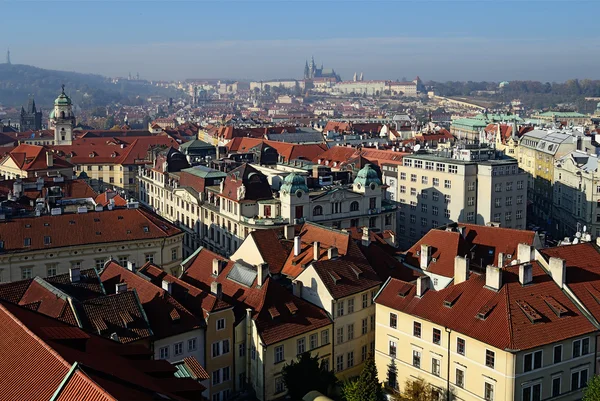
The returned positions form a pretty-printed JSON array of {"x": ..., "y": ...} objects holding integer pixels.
[
  {"x": 62, "y": 99},
  {"x": 294, "y": 182},
  {"x": 366, "y": 176}
]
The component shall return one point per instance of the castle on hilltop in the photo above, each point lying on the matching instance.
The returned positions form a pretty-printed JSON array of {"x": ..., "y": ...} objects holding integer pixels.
[{"x": 311, "y": 71}]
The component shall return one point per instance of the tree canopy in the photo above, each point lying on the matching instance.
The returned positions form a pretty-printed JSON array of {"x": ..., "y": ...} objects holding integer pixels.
[
  {"x": 592, "y": 392},
  {"x": 307, "y": 374},
  {"x": 367, "y": 387}
]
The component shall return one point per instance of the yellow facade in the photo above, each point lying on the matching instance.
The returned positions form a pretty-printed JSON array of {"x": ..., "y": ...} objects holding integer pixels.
[
  {"x": 467, "y": 371},
  {"x": 104, "y": 176},
  {"x": 220, "y": 364}
]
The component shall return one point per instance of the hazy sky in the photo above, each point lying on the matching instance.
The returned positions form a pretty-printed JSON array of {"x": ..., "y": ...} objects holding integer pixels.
[{"x": 439, "y": 40}]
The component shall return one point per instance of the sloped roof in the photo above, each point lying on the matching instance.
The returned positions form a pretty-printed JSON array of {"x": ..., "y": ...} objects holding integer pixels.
[
  {"x": 255, "y": 183},
  {"x": 507, "y": 326},
  {"x": 33, "y": 158}
]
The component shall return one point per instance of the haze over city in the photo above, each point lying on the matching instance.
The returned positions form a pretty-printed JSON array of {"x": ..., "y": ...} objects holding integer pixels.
[{"x": 438, "y": 40}]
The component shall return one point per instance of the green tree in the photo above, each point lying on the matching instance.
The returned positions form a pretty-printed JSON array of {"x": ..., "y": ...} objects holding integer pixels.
[
  {"x": 415, "y": 390},
  {"x": 367, "y": 387},
  {"x": 109, "y": 123},
  {"x": 306, "y": 374},
  {"x": 392, "y": 376},
  {"x": 592, "y": 392}
]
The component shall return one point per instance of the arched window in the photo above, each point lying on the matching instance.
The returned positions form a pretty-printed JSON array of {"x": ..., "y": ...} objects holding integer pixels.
[
  {"x": 318, "y": 211},
  {"x": 62, "y": 114},
  {"x": 354, "y": 206}
]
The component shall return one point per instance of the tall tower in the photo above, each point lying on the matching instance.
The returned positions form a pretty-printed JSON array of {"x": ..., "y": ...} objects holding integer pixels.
[
  {"x": 63, "y": 119},
  {"x": 8, "y": 56}
]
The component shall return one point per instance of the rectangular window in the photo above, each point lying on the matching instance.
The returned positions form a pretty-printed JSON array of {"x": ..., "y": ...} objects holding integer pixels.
[
  {"x": 340, "y": 335},
  {"x": 314, "y": 341},
  {"x": 350, "y": 362},
  {"x": 279, "y": 354},
  {"x": 460, "y": 346},
  {"x": 393, "y": 320},
  {"x": 447, "y": 184},
  {"x": 216, "y": 349},
  {"x": 26, "y": 273},
  {"x": 225, "y": 346},
  {"x": 339, "y": 363},
  {"x": 434, "y": 210},
  {"x": 149, "y": 257},
  {"x": 460, "y": 378},
  {"x": 279, "y": 385},
  {"x": 437, "y": 336},
  {"x": 226, "y": 374},
  {"x": 392, "y": 349},
  {"x": 413, "y": 178},
  {"x": 216, "y": 377},
  {"x": 556, "y": 385},
  {"x": 340, "y": 308},
  {"x": 178, "y": 348},
  {"x": 350, "y": 331},
  {"x": 403, "y": 176},
  {"x": 417, "y": 329},
  {"x": 532, "y": 361},
  {"x": 220, "y": 324},
  {"x": 253, "y": 352},
  {"x": 325, "y": 337},
  {"x": 579, "y": 379},
  {"x": 164, "y": 352},
  {"x": 490, "y": 358},
  {"x": 301, "y": 345},
  {"x": 436, "y": 182},
  {"x": 532, "y": 392},
  {"x": 364, "y": 326},
  {"x": 351, "y": 305},
  {"x": 581, "y": 347},
  {"x": 51, "y": 269},
  {"x": 363, "y": 353},
  {"x": 424, "y": 180},
  {"x": 488, "y": 392},
  {"x": 365, "y": 300},
  {"x": 372, "y": 322},
  {"x": 241, "y": 350},
  {"x": 417, "y": 359},
  {"x": 435, "y": 366},
  {"x": 497, "y": 202},
  {"x": 471, "y": 186},
  {"x": 557, "y": 354},
  {"x": 453, "y": 169}
]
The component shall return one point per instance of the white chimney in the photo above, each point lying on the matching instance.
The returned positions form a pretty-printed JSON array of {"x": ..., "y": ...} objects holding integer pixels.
[
  {"x": 332, "y": 253},
  {"x": 493, "y": 278},
  {"x": 217, "y": 267},
  {"x": 263, "y": 272},
  {"x": 216, "y": 289},
  {"x": 167, "y": 286},
  {"x": 366, "y": 236},
  {"x": 461, "y": 269},
  {"x": 316, "y": 250},
  {"x": 297, "y": 288},
  {"x": 120, "y": 288},
  {"x": 524, "y": 252},
  {"x": 75, "y": 274},
  {"x": 130, "y": 266},
  {"x": 425, "y": 256},
  {"x": 500, "y": 259},
  {"x": 49, "y": 159},
  {"x": 525, "y": 273},
  {"x": 422, "y": 285},
  {"x": 297, "y": 245},
  {"x": 289, "y": 231},
  {"x": 558, "y": 271}
]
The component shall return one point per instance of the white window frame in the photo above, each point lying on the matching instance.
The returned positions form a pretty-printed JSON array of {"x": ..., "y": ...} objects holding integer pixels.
[{"x": 219, "y": 321}]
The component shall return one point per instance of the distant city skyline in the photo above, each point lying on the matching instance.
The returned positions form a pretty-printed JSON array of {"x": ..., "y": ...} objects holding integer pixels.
[{"x": 437, "y": 40}]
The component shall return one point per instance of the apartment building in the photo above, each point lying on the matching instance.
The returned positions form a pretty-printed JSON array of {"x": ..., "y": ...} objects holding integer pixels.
[
  {"x": 218, "y": 347},
  {"x": 272, "y": 326},
  {"x": 32, "y": 161},
  {"x": 538, "y": 150},
  {"x": 53, "y": 244},
  {"x": 433, "y": 191},
  {"x": 511, "y": 334},
  {"x": 576, "y": 195}
]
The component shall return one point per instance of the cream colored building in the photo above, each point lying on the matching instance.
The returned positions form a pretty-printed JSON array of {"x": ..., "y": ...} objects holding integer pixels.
[
  {"x": 511, "y": 334},
  {"x": 433, "y": 191},
  {"x": 53, "y": 244}
]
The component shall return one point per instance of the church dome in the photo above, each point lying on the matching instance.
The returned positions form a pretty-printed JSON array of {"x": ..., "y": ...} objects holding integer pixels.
[
  {"x": 366, "y": 176},
  {"x": 293, "y": 182},
  {"x": 62, "y": 99}
]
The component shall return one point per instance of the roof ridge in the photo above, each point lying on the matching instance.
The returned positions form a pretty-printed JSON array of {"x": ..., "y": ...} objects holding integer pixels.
[
  {"x": 34, "y": 336},
  {"x": 511, "y": 339}
]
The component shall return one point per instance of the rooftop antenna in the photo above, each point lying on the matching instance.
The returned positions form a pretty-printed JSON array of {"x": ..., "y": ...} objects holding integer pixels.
[{"x": 8, "y": 56}]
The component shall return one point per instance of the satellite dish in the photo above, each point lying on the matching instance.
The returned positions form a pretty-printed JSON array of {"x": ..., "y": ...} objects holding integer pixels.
[
  {"x": 417, "y": 147},
  {"x": 576, "y": 241},
  {"x": 578, "y": 234}
]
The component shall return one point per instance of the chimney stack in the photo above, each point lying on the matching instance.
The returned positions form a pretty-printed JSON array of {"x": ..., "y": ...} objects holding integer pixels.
[
  {"x": 525, "y": 273},
  {"x": 461, "y": 269},
  {"x": 316, "y": 250},
  {"x": 217, "y": 267},
  {"x": 366, "y": 236},
  {"x": 263, "y": 273},
  {"x": 500, "y": 259},
  {"x": 558, "y": 271},
  {"x": 332, "y": 253},
  {"x": 425, "y": 256},
  {"x": 75, "y": 274},
  {"x": 297, "y": 288},
  {"x": 167, "y": 286},
  {"x": 422, "y": 285},
  {"x": 289, "y": 232},
  {"x": 216, "y": 289},
  {"x": 49, "y": 159},
  {"x": 120, "y": 288},
  {"x": 493, "y": 278},
  {"x": 297, "y": 245},
  {"x": 524, "y": 252},
  {"x": 130, "y": 266}
]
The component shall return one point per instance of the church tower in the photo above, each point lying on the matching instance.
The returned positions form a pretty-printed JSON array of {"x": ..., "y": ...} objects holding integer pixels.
[
  {"x": 63, "y": 119},
  {"x": 8, "y": 57}
]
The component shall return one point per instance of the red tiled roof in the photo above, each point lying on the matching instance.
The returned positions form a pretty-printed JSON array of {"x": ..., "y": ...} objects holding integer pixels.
[
  {"x": 272, "y": 248},
  {"x": 33, "y": 158},
  {"x": 158, "y": 304},
  {"x": 506, "y": 326},
  {"x": 195, "y": 367},
  {"x": 80, "y": 387},
  {"x": 83, "y": 228},
  {"x": 479, "y": 244},
  {"x": 105, "y": 198},
  {"x": 288, "y": 151},
  {"x": 260, "y": 300}
]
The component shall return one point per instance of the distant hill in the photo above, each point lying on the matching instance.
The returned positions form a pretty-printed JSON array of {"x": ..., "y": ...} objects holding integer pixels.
[{"x": 19, "y": 82}]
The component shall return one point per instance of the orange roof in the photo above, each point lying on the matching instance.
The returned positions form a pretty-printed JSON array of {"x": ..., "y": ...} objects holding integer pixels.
[
  {"x": 517, "y": 317},
  {"x": 288, "y": 151},
  {"x": 33, "y": 158}
]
